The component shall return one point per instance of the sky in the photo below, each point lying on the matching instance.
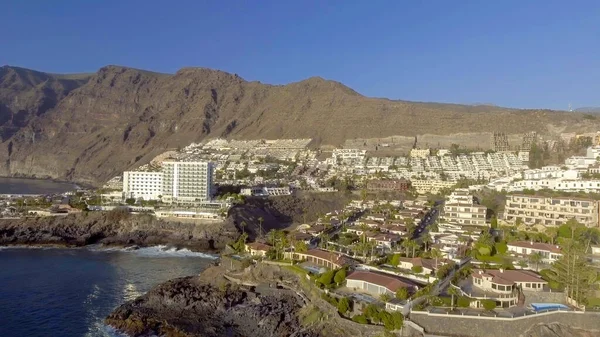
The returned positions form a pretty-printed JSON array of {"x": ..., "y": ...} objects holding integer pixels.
[{"x": 523, "y": 54}]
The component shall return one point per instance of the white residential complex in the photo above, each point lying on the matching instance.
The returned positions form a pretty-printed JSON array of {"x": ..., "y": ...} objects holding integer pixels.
[
  {"x": 550, "y": 211},
  {"x": 177, "y": 181},
  {"x": 460, "y": 208}
]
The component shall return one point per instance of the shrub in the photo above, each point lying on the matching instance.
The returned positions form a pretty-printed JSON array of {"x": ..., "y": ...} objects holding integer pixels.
[
  {"x": 340, "y": 276},
  {"x": 360, "y": 319},
  {"x": 417, "y": 269},
  {"x": 402, "y": 293},
  {"x": 463, "y": 302},
  {"x": 489, "y": 304},
  {"x": 326, "y": 278},
  {"x": 343, "y": 305}
]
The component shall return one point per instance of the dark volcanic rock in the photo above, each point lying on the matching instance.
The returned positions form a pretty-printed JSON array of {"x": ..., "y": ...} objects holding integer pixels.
[
  {"x": 115, "y": 228},
  {"x": 190, "y": 307}
]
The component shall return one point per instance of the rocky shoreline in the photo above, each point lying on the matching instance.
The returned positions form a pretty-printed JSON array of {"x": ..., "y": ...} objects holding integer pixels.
[
  {"x": 190, "y": 306},
  {"x": 116, "y": 228}
]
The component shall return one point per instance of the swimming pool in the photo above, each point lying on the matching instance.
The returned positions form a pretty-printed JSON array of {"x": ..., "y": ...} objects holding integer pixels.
[{"x": 548, "y": 306}]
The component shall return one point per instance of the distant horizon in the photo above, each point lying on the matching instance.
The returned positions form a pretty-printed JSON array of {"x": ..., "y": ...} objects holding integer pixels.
[{"x": 91, "y": 73}]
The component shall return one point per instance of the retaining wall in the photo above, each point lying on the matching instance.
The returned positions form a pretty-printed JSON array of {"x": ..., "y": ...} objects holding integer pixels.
[{"x": 474, "y": 326}]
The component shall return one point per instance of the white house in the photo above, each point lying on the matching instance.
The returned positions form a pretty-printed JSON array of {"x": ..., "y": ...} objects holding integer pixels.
[
  {"x": 549, "y": 253},
  {"x": 376, "y": 283}
]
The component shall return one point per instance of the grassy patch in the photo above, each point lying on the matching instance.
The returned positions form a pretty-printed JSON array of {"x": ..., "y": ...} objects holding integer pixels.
[
  {"x": 297, "y": 269},
  {"x": 593, "y": 302},
  {"x": 310, "y": 315}
]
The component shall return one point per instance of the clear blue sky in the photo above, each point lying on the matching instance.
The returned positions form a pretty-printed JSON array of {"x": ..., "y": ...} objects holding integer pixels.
[{"x": 512, "y": 53}]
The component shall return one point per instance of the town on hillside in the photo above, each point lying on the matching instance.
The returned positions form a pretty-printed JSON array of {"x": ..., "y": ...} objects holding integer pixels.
[{"x": 507, "y": 232}]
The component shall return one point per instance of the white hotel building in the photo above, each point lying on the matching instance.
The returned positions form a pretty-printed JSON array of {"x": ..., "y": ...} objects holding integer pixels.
[
  {"x": 187, "y": 182},
  {"x": 143, "y": 185},
  {"x": 177, "y": 182}
]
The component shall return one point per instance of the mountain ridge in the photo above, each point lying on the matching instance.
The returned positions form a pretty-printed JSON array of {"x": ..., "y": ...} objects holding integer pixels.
[{"x": 92, "y": 128}]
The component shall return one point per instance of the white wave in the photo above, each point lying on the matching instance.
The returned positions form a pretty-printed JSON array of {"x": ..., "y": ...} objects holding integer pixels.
[
  {"x": 158, "y": 251},
  {"x": 155, "y": 251},
  {"x": 104, "y": 331}
]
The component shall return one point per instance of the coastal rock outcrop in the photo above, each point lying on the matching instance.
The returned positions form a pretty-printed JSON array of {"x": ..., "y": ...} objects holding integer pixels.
[
  {"x": 116, "y": 228},
  {"x": 192, "y": 307}
]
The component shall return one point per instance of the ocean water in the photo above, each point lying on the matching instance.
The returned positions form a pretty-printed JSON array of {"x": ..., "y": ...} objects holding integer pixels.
[
  {"x": 68, "y": 292},
  {"x": 33, "y": 186}
]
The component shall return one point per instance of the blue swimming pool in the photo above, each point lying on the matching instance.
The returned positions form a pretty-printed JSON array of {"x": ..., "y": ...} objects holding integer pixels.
[
  {"x": 548, "y": 306},
  {"x": 313, "y": 270}
]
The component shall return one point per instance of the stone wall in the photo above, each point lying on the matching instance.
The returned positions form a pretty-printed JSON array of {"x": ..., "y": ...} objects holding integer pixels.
[
  {"x": 543, "y": 297},
  {"x": 473, "y": 326}
]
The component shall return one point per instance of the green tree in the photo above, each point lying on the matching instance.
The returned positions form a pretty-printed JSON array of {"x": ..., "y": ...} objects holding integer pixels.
[
  {"x": 536, "y": 258},
  {"x": 130, "y": 201},
  {"x": 453, "y": 291},
  {"x": 398, "y": 320},
  {"x": 402, "y": 293},
  {"x": 436, "y": 254},
  {"x": 326, "y": 279},
  {"x": 343, "y": 305},
  {"x": 260, "y": 229},
  {"x": 551, "y": 232},
  {"x": 395, "y": 260},
  {"x": 494, "y": 222},
  {"x": 340, "y": 276},
  {"x": 417, "y": 269},
  {"x": 385, "y": 297},
  {"x": 361, "y": 319},
  {"x": 300, "y": 246},
  {"x": 243, "y": 225},
  {"x": 572, "y": 271}
]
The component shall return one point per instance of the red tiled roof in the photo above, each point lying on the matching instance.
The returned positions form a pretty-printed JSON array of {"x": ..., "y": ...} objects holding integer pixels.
[
  {"x": 258, "y": 246},
  {"x": 338, "y": 259},
  {"x": 508, "y": 277},
  {"x": 387, "y": 281},
  {"x": 536, "y": 245}
]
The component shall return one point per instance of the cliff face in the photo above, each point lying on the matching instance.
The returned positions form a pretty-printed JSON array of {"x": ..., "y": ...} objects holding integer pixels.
[
  {"x": 190, "y": 307},
  {"x": 90, "y": 128},
  {"x": 115, "y": 228}
]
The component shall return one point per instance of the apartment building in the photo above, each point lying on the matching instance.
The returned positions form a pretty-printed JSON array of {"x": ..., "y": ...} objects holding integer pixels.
[
  {"x": 398, "y": 185},
  {"x": 420, "y": 153},
  {"x": 460, "y": 208},
  {"x": 142, "y": 185},
  {"x": 550, "y": 211},
  {"x": 423, "y": 186},
  {"x": 187, "y": 181}
]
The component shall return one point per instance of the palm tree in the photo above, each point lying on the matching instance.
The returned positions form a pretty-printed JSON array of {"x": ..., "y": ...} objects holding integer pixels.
[
  {"x": 325, "y": 240},
  {"x": 243, "y": 225},
  {"x": 260, "y": 222},
  {"x": 453, "y": 291},
  {"x": 552, "y": 232},
  {"x": 414, "y": 245},
  {"x": 436, "y": 254},
  {"x": 536, "y": 258},
  {"x": 406, "y": 245}
]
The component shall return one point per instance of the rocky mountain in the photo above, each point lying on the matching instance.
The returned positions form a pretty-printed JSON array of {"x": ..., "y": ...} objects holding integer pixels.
[{"x": 90, "y": 128}]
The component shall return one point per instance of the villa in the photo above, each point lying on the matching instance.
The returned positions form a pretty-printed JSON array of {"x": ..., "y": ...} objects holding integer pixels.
[
  {"x": 322, "y": 258},
  {"x": 503, "y": 286},
  {"x": 257, "y": 248},
  {"x": 376, "y": 283}
]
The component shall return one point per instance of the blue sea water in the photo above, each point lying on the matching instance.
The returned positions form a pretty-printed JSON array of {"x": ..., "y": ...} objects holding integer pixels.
[{"x": 68, "y": 292}]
